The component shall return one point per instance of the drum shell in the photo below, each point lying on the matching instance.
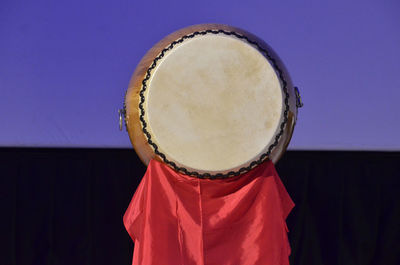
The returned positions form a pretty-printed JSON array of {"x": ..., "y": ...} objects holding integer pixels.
[{"x": 132, "y": 99}]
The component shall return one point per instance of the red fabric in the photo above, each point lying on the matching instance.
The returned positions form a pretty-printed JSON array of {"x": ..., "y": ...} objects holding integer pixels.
[{"x": 175, "y": 219}]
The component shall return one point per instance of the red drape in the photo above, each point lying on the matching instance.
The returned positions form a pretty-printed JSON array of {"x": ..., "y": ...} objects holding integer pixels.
[{"x": 175, "y": 219}]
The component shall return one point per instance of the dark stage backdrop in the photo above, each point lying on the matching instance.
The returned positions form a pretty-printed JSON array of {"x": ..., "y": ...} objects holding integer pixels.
[{"x": 65, "y": 206}]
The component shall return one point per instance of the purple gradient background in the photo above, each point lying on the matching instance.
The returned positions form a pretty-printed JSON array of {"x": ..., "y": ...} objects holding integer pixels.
[{"x": 65, "y": 65}]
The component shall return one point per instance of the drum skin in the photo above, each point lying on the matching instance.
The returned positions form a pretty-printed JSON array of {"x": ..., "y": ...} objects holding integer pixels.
[{"x": 132, "y": 98}]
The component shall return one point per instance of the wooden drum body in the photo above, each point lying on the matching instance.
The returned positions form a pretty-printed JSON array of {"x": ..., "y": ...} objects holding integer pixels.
[{"x": 211, "y": 101}]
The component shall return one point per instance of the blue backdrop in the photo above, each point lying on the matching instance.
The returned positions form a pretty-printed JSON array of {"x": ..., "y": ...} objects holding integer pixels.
[{"x": 65, "y": 65}]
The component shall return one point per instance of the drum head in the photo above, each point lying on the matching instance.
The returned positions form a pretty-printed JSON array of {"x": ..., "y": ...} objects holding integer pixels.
[{"x": 210, "y": 101}]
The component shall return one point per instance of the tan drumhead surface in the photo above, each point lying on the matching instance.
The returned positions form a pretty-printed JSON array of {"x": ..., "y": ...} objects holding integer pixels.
[{"x": 213, "y": 103}]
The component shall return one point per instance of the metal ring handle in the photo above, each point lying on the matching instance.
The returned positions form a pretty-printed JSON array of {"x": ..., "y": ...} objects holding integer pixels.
[
  {"x": 299, "y": 102},
  {"x": 120, "y": 113}
]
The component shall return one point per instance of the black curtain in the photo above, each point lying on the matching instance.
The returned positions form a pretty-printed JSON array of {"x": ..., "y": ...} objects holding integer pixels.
[{"x": 65, "y": 206}]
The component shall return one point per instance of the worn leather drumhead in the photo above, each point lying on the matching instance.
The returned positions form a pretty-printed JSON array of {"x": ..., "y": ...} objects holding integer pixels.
[{"x": 210, "y": 101}]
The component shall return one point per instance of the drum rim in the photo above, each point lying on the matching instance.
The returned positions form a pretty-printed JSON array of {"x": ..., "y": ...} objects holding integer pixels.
[{"x": 261, "y": 158}]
